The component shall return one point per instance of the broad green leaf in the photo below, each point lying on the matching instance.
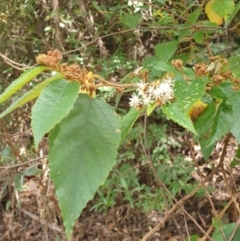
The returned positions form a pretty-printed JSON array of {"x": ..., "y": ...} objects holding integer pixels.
[
  {"x": 130, "y": 20},
  {"x": 227, "y": 229},
  {"x": 236, "y": 161},
  {"x": 21, "y": 81},
  {"x": 223, "y": 7},
  {"x": 166, "y": 50},
  {"x": 232, "y": 15},
  {"x": 175, "y": 113},
  {"x": 151, "y": 61},
  {"x": 234, "y": 63},
  {"x": 222, "y": 122},
  {"x": 54, "y": 103},
  {"x": 198, "y": 36},
  {"x": 192, "y": 18},
  {"x": 218, "y": 93},
  {"x": 234, "y": 100},
  {"x": 204, "y": 122},
  {"x": 30, "y": 95},
  {"x": 83, "y": 151},
  {"x": 162, "y": 66},
  {"x": 203, "y": 126},
  {"x": 188, "y": 92},
  {"x": 206, "y": 149},
  {"x": 128, "y": 121}
]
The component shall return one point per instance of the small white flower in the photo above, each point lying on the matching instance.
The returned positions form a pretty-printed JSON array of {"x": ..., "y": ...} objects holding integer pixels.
[
  {"x": 166, "y": 87},
  {"x": 135, "y": 101},
  {"x": 141, "y": 88},
  {"x": 136, "y": 4},
  {"x": 166, "y": 98},
  {"x": 147, "y": 100},
  {"x": 150, "y": 89},
  {"x": 137, "y": 70},
  {"x": 169, "y": 80},
  {"x": 141, "y": 85},
  {"x": 157, "y": 92}
]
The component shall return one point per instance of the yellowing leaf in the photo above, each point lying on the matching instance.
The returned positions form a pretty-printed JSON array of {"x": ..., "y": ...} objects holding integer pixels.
[
  {"x": 197, "y": 109},
  {"x": 212, "y": 16},
  {"x": 158, "y": 13}
]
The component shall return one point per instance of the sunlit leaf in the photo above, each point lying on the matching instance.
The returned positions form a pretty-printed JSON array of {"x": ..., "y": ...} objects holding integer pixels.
[
  {"x": 227, "y": 230},
  {"x": 223, "y": 7},
  {"x": 188, "y": 92},
  {"x": 166, "y": 50},
  {"x": 21, "y": 81},
  {"x": 30, "y": 95},
  {"x": 175, "y": 113},
  {"x": 54, "y": 103}
]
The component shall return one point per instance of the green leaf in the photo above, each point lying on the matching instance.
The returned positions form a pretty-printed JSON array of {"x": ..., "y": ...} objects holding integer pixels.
[
  {"x": 83, "y": 151},
  {"x": 227, "y": 229},
  {"x": 236, "y": 161},
  {"x": 222, "y": 122},
  {"x": 223, "y": 7},
  {"x": 54, "y": 103},
  {"x": 188, "y": 92},
  {"x": 20, "y": 82},
  {"x": 192, "y": 18},
  {"x": 234, "y": 100},
  {"x": 198, "y": 37},
  {"x": 175, "y": 113},
  {"x": 234, "y": 62},
  {"x": 149, "y": 62},
  {"x": 131, "y": 21},
  {"x": 162, "y": 66},
  {"x": 30, "y": 95},
  {"x": 203, "y": 126},
  {"x": 232, "y": 15},
  {"x": 218, "y": 92},
  {"x": 150, "y": 109},
  {"x": 166, "y": 50},
  {"x": 194, "y": 237},
  {"x": 204, "y": 122},
  {"x": 128, "y": 121},
  {"x": 206, "y": 148}
]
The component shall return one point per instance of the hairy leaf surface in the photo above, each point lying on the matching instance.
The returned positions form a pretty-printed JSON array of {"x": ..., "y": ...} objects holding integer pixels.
[
  {"x": 54, "y": 103},
  {"x": 174, "y": 112},
  {"x": 83, "y": 149}
]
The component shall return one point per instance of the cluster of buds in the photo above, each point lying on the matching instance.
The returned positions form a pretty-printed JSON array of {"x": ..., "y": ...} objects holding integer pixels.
[
  {"x": 72, "y": 72},
  {"x": 159, "y": 92},
  {"x": 51, "y": 59}
]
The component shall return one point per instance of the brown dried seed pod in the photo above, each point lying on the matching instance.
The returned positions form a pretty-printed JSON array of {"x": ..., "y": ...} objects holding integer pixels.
[{"x": 177, "y": 63}]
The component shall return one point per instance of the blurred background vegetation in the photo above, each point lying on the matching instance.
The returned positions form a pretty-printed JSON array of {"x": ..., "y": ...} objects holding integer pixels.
[{"x": 111, "y": 38}]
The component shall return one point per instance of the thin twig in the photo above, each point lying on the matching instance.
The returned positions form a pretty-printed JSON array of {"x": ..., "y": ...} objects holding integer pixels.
[
  {"x": 205, "y": 187},
  {"x": 14, "y": 64},
  {"x": 37, "y": 218},
  {"x": 142, "y": 28},
  {"x": 23, "y": 163},
  {"x": 178, "y": 203}
]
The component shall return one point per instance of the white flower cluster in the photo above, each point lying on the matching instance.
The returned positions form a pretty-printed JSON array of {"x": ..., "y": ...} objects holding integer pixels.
[
  {"x": 159, "y": 92},
  {"x": 136, "y": 4}
]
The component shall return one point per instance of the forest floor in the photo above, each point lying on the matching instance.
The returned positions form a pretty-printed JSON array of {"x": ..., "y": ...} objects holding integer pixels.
[{"x": 29, "y": 215}]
